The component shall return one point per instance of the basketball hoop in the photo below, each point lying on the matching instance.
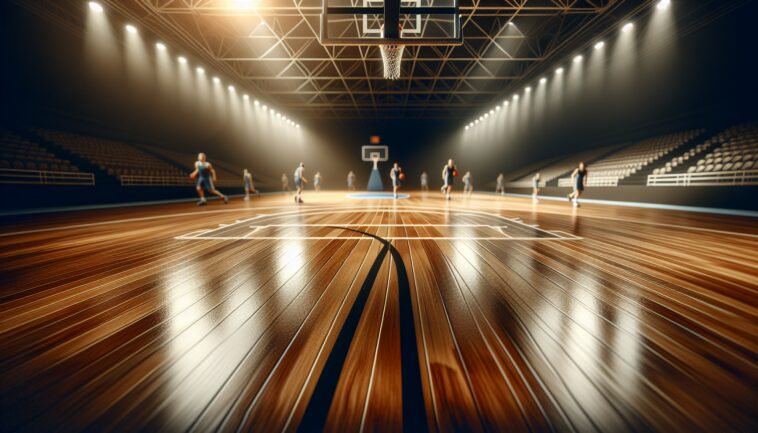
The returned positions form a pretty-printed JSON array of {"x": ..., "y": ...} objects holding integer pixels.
[{"x": 392, "y": 56}]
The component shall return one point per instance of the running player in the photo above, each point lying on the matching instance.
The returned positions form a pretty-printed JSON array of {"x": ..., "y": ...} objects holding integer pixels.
[
  {"x": 468, "y": 187},
  {"x": 579, "y": 178},
  {"x": 448, "y": 174},
  {"x": 249, "y": 187},
  {"x": 395, "y": 175},
  {"x": 205, "y": 175},
  {"x": 535, "y": 186},
  {"x": 317, "y": 181},
  {"x": 285, "y": 183},
  {"x": 299, "y": 180},
  {"x": 351, "y": 181},
  {"x": 424, "y": 182},
  {"x": 500, "y": 188}
]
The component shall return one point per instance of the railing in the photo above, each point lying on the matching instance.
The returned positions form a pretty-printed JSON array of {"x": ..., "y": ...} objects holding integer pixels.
[
  {"x": 41, "y": 177},
  {"x": 591, "y": 181},
  {"x": 136, "y": 180},
  {"x": 718, "y": 178}
]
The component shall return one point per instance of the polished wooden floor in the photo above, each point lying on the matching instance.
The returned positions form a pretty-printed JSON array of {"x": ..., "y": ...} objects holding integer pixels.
[{"x": 480, "y": 314}]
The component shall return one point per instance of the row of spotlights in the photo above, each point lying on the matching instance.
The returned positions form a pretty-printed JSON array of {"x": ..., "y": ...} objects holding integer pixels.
[
  {"x": 626, "y": 28},
  {"x": 97, "y": 7}
]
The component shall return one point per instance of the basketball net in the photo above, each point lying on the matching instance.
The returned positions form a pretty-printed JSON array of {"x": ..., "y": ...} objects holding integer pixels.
[
  {"x": 376, "y": 161},
  {"x": 392, "y": 55}
]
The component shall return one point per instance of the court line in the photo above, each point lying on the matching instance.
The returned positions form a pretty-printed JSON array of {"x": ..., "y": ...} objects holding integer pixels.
[{"x": 397, "y": 238}]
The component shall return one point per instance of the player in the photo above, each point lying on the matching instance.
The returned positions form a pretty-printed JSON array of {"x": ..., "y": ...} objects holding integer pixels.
[
  {"x": 535, "y": 186},
  {"x": 579, "y": 178},
  {"x": 205, "y": 175},
  {"x": 317, "y": 181},
  {"x": 351, "y": 181},
  {"x": 448, "y": 174},
  {"x": 500, "y": 188},
  {"x": 299, "y": 180},
  {"x": 396, "y": 174},
  {"x": 424, "y": 182},
  {"x": 468, "y": 187},
  {"x": 249, "y": 187},
  {"x": 285, "y": 183}
]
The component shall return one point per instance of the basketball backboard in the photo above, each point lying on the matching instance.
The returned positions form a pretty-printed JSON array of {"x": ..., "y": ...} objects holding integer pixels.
[
  {"x": 375, "y": 153},
  {"x": 369, "y": 22}
]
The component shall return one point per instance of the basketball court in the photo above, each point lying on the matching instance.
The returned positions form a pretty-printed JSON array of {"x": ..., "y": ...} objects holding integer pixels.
[{"x": 478, "y": 314}]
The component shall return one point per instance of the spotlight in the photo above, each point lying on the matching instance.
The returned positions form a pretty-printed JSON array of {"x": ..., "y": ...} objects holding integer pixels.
[
  {"x": 467, "y": 127},
  {"x": 528, "y": 89},
  {"x": 131, "y": 29},
  {"x": 278, "y": 115},
  {"x": 515, "y": 97},
  {"x": 256, "y": 103},
  {"x": 264, "y": 108},
  {"x": 246, "y": 97},
  {"x": 476, "y": 121},
  {"x": 663, "y": 5},
  {"x": 599, "y": 45},
  {"x": 486, "y": 115},
  {"x": 95, "y": 7},
  {"x": 182, "y": 60},
  {"x": 160, "y": 46},
  {"x": 492, "y": 111},
  {"x": 507, "y": 103},
  {"x": 497, "y": 108},
  {"x": 200, "y": 70},
  {"x": 559, "y": 71},
  {"x": 578, "y": 58},
  {"x": 627, "y": 27},
  {"x": 543, "y": 80},
  {"x": 231, "y": 88},
  {"x": 297, "y": 126},
  {"x": 216, "y": 80},
  {"x": 481, "y": 117}
]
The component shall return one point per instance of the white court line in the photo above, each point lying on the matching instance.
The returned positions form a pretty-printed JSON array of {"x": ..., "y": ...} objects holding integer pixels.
[{"x": 368, "y": 238}]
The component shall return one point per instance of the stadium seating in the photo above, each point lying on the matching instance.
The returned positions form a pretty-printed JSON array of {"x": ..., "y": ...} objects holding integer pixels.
[
  {"x": 737, "y": 151},
  {"x": 116, "y": 158},
  {"x": 227, "y": 174},
  {"x": 556, "y": 169},
  {"x": 19, "y": 153}
]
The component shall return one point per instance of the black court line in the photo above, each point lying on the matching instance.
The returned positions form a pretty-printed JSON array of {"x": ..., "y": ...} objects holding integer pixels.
[{"x": 414, "y": 410}]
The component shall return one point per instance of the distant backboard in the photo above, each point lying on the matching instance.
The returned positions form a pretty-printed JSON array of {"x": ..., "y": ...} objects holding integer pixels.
[
  {"x": 401, "y": 22},
  {"x": 375, "y": 153}
]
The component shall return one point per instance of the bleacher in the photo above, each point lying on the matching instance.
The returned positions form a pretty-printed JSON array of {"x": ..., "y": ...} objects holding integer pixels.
[
  {"x": 731, "y": 160},
  {"x": 227, "y": 174},
  {"x": 558, "y": 168},
  {"x": 23, "y": 161},
  {"x": 609, "y": 170},
  {"x": 124, "y": 161}
]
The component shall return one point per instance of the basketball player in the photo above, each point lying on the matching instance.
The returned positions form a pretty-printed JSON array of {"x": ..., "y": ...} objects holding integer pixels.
[
  {"x": 535, "y": 186},
  {"x": 317, "y": 181},
  {"x": 351, "y": 181},
  {"x": 468, "y": 188},
  {"x": 448, "y": 175},
  {"x": 249, "y": 187},
  {"x": 424, "y": 182},
  {"x": 205, "y": 175},
  {"x": 285, "y": 183},
  {"x": 395, "y": 176},
  {"x": 299, "y": 180},
  {"x": 579, "y": 178},
  {"x": 500, "y": 188}
]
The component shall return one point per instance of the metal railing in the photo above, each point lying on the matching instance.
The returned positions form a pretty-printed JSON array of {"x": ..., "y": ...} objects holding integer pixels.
[
  {"x": 591, "y": 181},
  {"x": 138, "y": 180},
  {"x": 43, "y": 177},
  {"x": 717, "y": 178}
]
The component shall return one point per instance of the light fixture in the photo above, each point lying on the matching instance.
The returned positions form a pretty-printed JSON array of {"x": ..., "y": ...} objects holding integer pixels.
[
  {"x": 663, "y": 5},
  {"x": 297, "y": 126},
  {"x": 627, "y": 27},
  {"x": 231, "y": 88},
  {"x": 160, "y": 46},
  {"x": 481, "y": 117},
  {"x": 95, "y": 7},
  {"x": 497, "y": 108},
  {"x": 599, "y": 45},
  {"x": 256, "y": 103},
  {"x": 486, "y": 115},
  {"x": 507, "y": 103},
  {"x": 467, "y": 127},
  {"x": 578, "y": 58},
  {"x": 264, "y": 107},
  {"x": 216, "y": 80},
  {"x": 131, "y": 29},
  {"x": 528, "y": 89},
  {"x": 559, "y": 71},
  {"x": 515, "y": 97},
  {"x": 492, "y": 111},
  {"x": 246, "y": 97},
  {"x": 200, "y": 70},
  {"x": 543, "y": 80},
  {"x": 476, "y": 121},
  {"x": 182, "y": 60}
]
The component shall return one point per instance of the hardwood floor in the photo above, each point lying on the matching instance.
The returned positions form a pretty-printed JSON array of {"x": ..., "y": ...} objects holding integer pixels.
[{"x": 481, "y": 314}]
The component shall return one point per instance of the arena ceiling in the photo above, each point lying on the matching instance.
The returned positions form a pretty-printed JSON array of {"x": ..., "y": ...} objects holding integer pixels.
[{"x": 273, "y": 51}]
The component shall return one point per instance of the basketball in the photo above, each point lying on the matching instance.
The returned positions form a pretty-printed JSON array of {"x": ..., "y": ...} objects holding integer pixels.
[
  {"x": 455, "y": 173},
  {"x": 402, "y": 176},
  {"x": 193, "y": 176}
]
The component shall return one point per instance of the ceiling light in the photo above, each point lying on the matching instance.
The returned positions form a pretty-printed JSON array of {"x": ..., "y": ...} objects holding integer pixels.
[
  {"x": 528, "y": 89},
  {"x": 182, "y": 60},
  {"x": 160, "y": 46},
  {"x": 200, "y": 70},
  {"x": 559, "y": 71},
  {"x": 627, "y": 27},
  {"x": 246, "y": 97},
  {"x": 599, "y": 45},
  {"x": 578, "y": 58},
  {"x": 131, "y": 29},
  {"x": 663, "y": 5},
  {"x": 216, "y": 80},
  {"x": 95, "y": 7},
  {"x": 231, "y": 88}
]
